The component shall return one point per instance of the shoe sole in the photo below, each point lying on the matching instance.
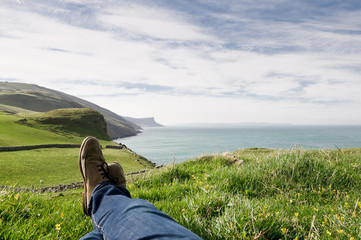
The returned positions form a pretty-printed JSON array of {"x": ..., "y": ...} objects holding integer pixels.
[{"x": 85, "y": 193}]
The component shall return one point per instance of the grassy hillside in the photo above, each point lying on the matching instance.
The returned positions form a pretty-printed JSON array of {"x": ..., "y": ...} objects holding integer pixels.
[
  {"x": 273, "y": 194},
  {"x": 36, "y": 101},
  {"x": 54, "y": 166},
  {"x": 14, "y": 134},
  {"x": 70, "y": 121},
  {"x": 20, "y": 97},
  {"x": 13, "y": 110},
  {"x": 32, "y": 216},
  {"x": 54, "y": 127}
]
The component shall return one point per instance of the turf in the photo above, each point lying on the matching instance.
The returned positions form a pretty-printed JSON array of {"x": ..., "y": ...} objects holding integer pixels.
[
  {"x": 273, "y": 194},
  {"x": 52, "y": 166},
  {"x": 69, "y": 122},
  {"x": 55, "y": 166},
  {"x": 14, "y": 134}
]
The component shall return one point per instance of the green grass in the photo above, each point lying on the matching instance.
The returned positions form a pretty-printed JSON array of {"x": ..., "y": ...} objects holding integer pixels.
[
  {"x": 54, "y": 166},
  {"x": 19, "y": 98},
  {"x": 25, "y": 215},
  {"x": 274, "y": 194},
  {"x": 70, "y": 121},
  {"x": 35, "y": 216},
  {"x": 13, "y": 110},
  {"x": 35, "y": 100},
  {"x": 13, "y": 134}
]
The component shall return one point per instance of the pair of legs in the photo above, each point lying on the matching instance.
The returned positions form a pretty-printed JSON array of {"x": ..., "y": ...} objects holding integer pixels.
[{"x": 115, "y": 215}]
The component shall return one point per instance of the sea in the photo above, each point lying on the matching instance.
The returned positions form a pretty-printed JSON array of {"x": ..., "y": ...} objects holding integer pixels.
[{"x": 164, "y": 145}]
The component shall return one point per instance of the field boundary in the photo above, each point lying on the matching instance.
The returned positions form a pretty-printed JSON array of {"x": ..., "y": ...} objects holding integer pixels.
[
  {"x": 31, "y": 147},
  {"x": 62, "y": 187}
]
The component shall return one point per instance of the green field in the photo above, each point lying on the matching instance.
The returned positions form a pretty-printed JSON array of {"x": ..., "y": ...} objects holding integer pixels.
[
  {"x": 33, "y": 215},
  {"x": 69, "y": 122},
  {"x": 54, "y": 166},
  {"x": 13, "y": 134},
  {"x": 249, "y": 194},
  {"x": 273, "y": 194}
]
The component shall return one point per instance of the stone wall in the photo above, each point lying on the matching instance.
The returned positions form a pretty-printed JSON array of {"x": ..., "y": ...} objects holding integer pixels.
[
  {"x": 19, "y": 148},
  {"x": 115, "y": 147}
]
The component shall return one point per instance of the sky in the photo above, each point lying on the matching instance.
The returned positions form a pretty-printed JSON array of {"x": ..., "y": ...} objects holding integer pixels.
[{"x": 192, "y": 61}]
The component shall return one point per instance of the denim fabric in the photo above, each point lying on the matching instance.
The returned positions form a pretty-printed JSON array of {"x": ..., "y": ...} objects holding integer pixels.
[{"x": 116, "y": 215}]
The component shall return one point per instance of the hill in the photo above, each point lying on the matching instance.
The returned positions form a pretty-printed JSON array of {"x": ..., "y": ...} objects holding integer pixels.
[
  {"x": 45, "y": 146},
  {"x": 12, "y": 133},
  {"x": 21, "y": 97},
  {"x": 80, "y": 122},
  {"x": 51, "y": 164}
]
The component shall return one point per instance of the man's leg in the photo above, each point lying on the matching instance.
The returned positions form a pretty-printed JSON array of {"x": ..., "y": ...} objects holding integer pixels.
[
  {"x": 118, "y": 216},
  {"x": 115, "y": 215}
]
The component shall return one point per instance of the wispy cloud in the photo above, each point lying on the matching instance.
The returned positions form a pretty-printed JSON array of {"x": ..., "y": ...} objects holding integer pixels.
[
  {"x": 153, "y": 23},
  {"x": 179, "y": 59}
]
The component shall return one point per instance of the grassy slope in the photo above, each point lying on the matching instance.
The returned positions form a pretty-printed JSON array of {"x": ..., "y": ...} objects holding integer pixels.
[
  {"x": 13, "y": 110},
  {"x": 36, "y": 101},
  {"x": 54, "y": 166},
  {"x": 39, "y": 99},
  {"x": 13, "y": 134},
  {"x": 273, "y": 195},
  {"x": 34, "y": 216},
  {"x": 70, "y": 121}
]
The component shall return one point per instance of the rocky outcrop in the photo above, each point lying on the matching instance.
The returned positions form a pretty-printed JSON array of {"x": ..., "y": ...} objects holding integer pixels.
[{"x": 235, "y": 160}]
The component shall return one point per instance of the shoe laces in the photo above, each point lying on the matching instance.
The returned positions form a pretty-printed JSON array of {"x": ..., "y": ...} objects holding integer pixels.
[{"x": 104, "y": 172}]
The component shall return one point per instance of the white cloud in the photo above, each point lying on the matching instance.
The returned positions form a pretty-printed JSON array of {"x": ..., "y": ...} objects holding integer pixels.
[
  {"x": 146, "y": 61},
  {"x": 153, "y": 22}
]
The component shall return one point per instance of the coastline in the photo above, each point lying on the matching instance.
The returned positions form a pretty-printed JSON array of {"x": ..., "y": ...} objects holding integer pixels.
[{"x": 163, "y": 145}]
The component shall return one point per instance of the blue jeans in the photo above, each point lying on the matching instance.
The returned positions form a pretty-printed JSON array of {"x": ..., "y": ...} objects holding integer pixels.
[{"x": 116, "y": 215}]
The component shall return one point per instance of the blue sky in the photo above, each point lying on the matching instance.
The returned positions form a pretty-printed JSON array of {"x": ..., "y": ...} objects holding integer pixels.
[{"x": 281, "y": 61}]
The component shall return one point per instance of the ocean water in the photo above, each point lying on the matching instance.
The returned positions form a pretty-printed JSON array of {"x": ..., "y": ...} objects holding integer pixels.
[{"x": 178, "y": 143}]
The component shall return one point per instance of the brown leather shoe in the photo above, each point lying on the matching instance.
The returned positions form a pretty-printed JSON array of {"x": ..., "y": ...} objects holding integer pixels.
[
  {"x": 116, "y": 174},
  {"x": 93, "y": 167}
]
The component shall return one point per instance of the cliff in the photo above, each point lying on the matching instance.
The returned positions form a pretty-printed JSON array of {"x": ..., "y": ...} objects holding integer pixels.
[{"x": 144, "y": 122}]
